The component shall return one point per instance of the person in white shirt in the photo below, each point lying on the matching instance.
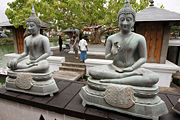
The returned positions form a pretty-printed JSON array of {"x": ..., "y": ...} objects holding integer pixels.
[{"x": 83, "y": 48}]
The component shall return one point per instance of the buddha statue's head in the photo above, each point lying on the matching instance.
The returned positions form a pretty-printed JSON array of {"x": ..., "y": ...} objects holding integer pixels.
[
  {"x": 33, "y": 23},
  {"x": 126, "y": 17}
]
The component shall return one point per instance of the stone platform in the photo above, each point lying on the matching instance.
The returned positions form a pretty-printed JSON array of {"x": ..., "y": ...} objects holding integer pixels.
[
  {"x": 31, "y": 83},
  {"x": 149, "y": 111},
  {"x": 132, "y": 100}
]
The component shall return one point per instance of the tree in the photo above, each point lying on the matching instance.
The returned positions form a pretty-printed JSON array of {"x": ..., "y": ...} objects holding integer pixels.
[
  {"x": 65, "y": 13},
  {"x": 89, "y": 13},
  {"x": 20, "y": 10}
]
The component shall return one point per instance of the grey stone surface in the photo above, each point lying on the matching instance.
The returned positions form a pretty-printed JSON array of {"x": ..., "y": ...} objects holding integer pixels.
[
  {"x": 122, "y": 97},
  {"x": 24, "y": 81}
]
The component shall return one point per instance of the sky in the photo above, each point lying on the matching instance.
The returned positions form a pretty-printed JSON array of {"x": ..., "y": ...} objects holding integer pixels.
[
  {"x": 3, "y": 7},
  {"x": 172, "y": 5}
]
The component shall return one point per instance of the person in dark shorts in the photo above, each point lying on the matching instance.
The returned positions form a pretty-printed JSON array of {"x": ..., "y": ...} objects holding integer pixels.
[{"x": 83, "y": 48}]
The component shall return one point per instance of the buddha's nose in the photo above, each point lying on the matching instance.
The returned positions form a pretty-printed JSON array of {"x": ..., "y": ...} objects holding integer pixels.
[
  {"x": 29, "y": 28},
  {"x": 125, "y": 22}
]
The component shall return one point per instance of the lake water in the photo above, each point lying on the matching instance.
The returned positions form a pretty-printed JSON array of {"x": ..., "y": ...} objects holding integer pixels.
[{"x": 5, "y": 49}]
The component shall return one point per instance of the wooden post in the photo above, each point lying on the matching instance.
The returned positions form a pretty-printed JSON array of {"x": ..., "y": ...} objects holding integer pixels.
[
  {"x": 166, "y": 37},
  {"x": 20, "y": 39},
  {"x": 15, "y": 41}
]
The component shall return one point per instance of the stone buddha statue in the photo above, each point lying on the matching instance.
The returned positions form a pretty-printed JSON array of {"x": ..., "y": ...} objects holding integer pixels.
[
  {"x": 124, "y": 86},
  {"x": 32, "y": 75},
  {"x": 36, "y": 46},
  {"x": 129, "y": 52}
]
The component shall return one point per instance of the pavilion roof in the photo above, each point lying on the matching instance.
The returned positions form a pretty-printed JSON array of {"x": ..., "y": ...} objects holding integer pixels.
[
  {"x": 5, "y": 24},
  {"x": 153, "y": 13},
  {"x": 43, "y": 25},
  {"x": 46, "y": 25}
]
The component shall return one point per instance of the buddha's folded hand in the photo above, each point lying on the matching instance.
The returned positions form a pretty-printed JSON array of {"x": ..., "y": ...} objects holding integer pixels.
[{"x": 13, "y": 64}]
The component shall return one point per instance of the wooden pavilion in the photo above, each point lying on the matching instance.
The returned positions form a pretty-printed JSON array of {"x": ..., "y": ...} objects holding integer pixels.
[{"x": 154, "y": 23}]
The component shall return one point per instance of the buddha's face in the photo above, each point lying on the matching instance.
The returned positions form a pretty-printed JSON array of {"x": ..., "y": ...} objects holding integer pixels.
[
  {"x": 32, "y": 28},
  {"x": 126, "y": 22}
]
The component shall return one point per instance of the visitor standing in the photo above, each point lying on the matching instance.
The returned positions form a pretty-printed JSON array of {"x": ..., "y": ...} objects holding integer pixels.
[
  {"x": 60, "y": 43},
  {"x": 75, "y": 42},
  {"x": 83, "y": 48}
]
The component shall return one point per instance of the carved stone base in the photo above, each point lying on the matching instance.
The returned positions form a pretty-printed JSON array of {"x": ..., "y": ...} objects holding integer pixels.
[
  {"x": 150, "y": 108},
  {"x": 32, "y": 84},
  {"x": 146, "y": 92}
]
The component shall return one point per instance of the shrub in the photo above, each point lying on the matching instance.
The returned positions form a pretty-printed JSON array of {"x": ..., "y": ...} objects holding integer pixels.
[
  {"x": 6, "y": 41},
  {"x": 53, "y": 39}
]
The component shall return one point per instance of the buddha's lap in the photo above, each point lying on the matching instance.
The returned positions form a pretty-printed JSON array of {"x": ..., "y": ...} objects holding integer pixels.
[
  {"x": 109, "y": 70},
  {"x": 40, "y": 63}
]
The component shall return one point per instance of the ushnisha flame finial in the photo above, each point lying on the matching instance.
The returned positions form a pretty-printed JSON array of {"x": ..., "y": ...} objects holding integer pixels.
[
  {"x": 33, "y": 10},
  {"x": 33, "y": 17}
]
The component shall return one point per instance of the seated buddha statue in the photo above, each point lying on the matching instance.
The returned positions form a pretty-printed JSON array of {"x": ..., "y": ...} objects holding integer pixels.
[
  {"x": 36, "y": 46},
  {"x": 128, "y": 51},
  {"x": 124, "y": 86},
  {"x": 32, "y": 75}
]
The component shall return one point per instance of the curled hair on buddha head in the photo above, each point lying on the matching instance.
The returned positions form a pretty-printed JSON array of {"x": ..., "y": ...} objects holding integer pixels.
[
  {"x": 127, "y": 9},
  {"x": 34, "y": 18}
]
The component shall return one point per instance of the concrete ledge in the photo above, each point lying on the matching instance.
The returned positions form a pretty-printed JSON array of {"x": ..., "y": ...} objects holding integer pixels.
[
  {"x": 54, "y": 61},
  {"x": 174, "y": 43},
  {"x": 165, "y": 71}
]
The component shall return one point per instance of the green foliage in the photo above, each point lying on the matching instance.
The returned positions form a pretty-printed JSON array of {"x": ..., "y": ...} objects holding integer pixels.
[
  {"x": 175, "y": 28},
  {"x": 20, "y": 10},
  {"x": 9, "y": 34},
  {"x": 6, "y": 41},
  {"x": 2, "y": 80},
  {"x": 53, "y": 39},
  {"x": 65, "y": 13},
  {"x": 162, "y": 6}
]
